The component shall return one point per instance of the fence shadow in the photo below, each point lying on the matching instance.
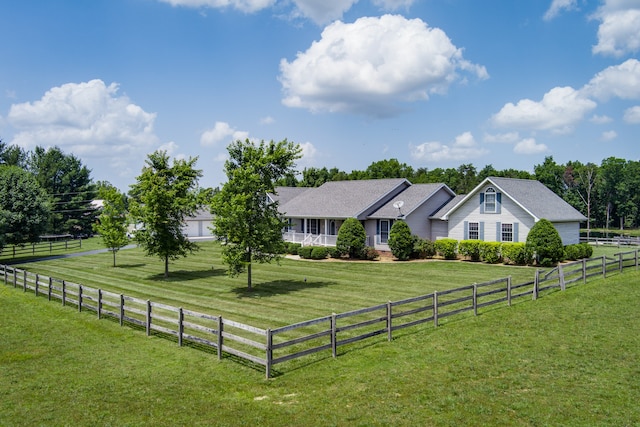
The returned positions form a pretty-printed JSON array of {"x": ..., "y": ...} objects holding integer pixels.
[
  {"x": 278, "y": 287},
  {"x": 187, "y": 275}
]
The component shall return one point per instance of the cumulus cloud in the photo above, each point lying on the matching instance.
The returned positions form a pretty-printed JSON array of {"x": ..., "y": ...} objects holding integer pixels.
[
  {"x": 632, "y": 115},
  {"x": 463, "y": 148},
  {"x": 242, "y": 5},
  {"x": 559, "y": 110},
  {"x": 322, "y": 11},
  {"x": 609, "y": 135},
  {"x": 619, "y": 30},
  {"x": 600, "y": 120},
  {"x": 502, "y": 138},
  {"x": 268, "y": 120},
  {"x": 309, "y": 152},
  {"x": 221, "y": 132},
  {"x": 372, "y": 66},
  {"x": 393, "y": 4},
  {"x": 529, "y": 146},
  {"x": 620, "y": 81},
  {"x": 558, "y": 6}
]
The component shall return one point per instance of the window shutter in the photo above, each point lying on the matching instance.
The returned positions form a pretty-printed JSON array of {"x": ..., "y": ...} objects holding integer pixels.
[
  {"x": 377, "y": 226},
  {"x": 515, "y": 232},
  {"x": 481, "y": 203},
  {"x": 481, "y": 231},
  {"x": 498, "y": 202},
  {"x": 498, "y": 231},
  {"x": 466, "y": 230}
]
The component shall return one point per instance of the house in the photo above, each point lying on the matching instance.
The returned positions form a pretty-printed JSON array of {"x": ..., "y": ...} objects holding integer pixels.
[
  {"x": 504, "y": 210},
  {"x": 199, "y": 225}
]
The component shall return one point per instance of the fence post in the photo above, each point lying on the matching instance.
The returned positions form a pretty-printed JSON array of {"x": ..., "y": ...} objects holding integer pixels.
[
  {"x": 121, "y": 310},
  {"x": 636, "y": 258},
  {"x": 536, "y": 283},
  {"x": 148, "y": 317},
  {"x": 15, "y": 277},
  {"x": 64, "y": 293},
  {"x": 563, "y": 285},
  {"x": 269, "y": 353},
  {"x": 37, "y": 278},
  {"x": 509, "y": 291},
  {"x": 475, "y": 299},
  {"x": 389, "y": 325},
  {"x": 180, "y": 326},
  {"x": 49, "y": 288},
  {"x": 334, "y": 338},
  {"x": 24, "y": 281},
  {"x": 99, "y": 305},
  {"x": 604, "y": 266},
  {"x": 220, "y": 340},
  {"x": 435, "y": 308},
  {"x": 584, "y": 271},
  {"x": 620, "y": 261},
  {"x": 79, "y": 298}
]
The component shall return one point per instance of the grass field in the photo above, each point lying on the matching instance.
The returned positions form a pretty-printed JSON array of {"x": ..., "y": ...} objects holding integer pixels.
[{"x": 570, "y": 358}]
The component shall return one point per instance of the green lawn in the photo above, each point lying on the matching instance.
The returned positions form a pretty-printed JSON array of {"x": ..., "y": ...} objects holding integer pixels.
[{"x": 569, "y": 358}]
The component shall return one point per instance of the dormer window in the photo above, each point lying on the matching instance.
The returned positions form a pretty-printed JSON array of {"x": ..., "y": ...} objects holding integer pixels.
[{"x": 490, "y": 200}]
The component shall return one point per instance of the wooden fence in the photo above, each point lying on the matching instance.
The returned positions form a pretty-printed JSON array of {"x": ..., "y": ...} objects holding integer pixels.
[
  {"x": 269, "y": 347},
  {"x": 40, "y": 247}
]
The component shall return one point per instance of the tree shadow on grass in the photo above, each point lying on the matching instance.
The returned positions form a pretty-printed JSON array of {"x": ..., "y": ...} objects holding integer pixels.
[
  {"x": 186, "y": 275},
  {"x": 278, "y": 287}
]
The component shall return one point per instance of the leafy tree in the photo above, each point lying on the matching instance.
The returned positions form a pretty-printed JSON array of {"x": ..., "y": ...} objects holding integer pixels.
[
  {"x": 244, "y": 219},
  {"x": 352, "y": 238},
  {"x": 112, "y": 222},
  {"x": 551, "y": 174},
  {"x": 70, "y": 187},
  {"x": 161, "y": 199},
  {"x": 391, "y": 168},
  {"x": 544, "y": 241},
  {"x": 12, "y": 155},
  {"x": 400, "y": 240},
  {"x": 24, "y": 207}
]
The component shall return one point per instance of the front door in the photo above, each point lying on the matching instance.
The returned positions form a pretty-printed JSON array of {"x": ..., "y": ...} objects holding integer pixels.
[{"x": 384, "y": 230}]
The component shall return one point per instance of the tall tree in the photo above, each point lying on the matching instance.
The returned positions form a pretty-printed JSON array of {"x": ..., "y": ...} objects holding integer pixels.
[
  {"x": 162, "y": 198},
  {"x": 24, "y": 207},
  {"x": 551, "y": 174},
  {"x": 244, "y": 219},
  {"x": 112, "y": 222},
  {"x": 391, "y": 168},
  {"x": 68, "y": 183},
  {"x": 12, "y": 155}
]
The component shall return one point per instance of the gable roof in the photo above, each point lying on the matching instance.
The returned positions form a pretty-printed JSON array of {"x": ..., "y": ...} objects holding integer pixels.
[
  {"x": 532, "y": 196},
  {"x": 284, "y": 194},
  {"x": 444, "y": 209},
  {"x": 412, "y": 198},
  {"x": 342, "y": 199}
]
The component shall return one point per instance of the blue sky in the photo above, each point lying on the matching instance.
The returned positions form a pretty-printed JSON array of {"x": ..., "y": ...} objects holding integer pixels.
[{"x": 433, "y": 83}]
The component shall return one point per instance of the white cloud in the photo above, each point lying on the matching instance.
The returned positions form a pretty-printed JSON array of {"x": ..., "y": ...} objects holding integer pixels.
[
  {"x": 372, "y": 65},
  {"x": 222, "y": 132},
  {"x": 463, "y": 148},
  {"x": 559, "y": 110},
  {"x": 619, "y": 30},
  {"x": 558, "y": 6},
  {"x": 242, "y": 5},
  {"x": 170, "y": 147},
  {"x": 621, "y": 81},
  {"x": 323, "y": 11},
  {"x": 393, "y": 4},
  {"x": 529, "y": 146},
  {"x": 268, "y": 120},
  {"x": 502, "y": 138},
  {"x": 600, "y": 120},
  {"x": 632, "y": 115},
  {"x": 309, "y": 152},
  {"x": 609, "y": 135}
]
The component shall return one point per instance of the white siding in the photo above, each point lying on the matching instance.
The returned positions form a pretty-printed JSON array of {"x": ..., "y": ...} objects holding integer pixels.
[
  {"x": 419, "y": 222},
  {"x": 197, "y": 228},
  {"x": 438, "y": 229},
  {"x": 569, "y": 232}
]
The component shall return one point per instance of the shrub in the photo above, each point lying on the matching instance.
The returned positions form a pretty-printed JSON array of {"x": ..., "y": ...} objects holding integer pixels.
[
  {"x": 333, "y": 252},
  {"x": 490, "y": 252},
  {"x": 423, "y": 248},
  {"x": 578, "y": 251},
  {"x": 447, "y": 248},
  {"x": 515, "y": 253},
  {"x": 305, "y": 252},
  {"x": 292, "y": 248},
  {"x": 319, "y": 252},
  {"x": 545, "y": 242},
  {"x": 351, "y": 238},
  {"x": 470, "y": 248},
  {"x": 400, "y": 240},
  {"x": 369, "y": 254}
]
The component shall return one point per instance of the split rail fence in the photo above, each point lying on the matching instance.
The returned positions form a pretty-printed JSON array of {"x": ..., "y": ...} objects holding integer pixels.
[{"x": 269, "y": 347}]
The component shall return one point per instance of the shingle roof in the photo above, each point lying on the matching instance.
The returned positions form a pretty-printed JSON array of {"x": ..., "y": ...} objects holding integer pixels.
[
  {"x": 532, "y": 196},
  {"x": 412, "y": 198},
  {"x": 341, "y": 199},
  {"x": 284, "y": 194},
  {"x": 438, "y": 214}
]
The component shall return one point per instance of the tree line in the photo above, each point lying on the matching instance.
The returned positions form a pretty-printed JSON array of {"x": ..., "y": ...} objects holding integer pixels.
[{"x": 607, "y": 194}]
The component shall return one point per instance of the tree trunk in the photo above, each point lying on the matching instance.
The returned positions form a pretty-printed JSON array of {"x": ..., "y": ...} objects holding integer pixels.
[
  {"x": 114, "y": 258},
  {"x": 166, "y": 267}
]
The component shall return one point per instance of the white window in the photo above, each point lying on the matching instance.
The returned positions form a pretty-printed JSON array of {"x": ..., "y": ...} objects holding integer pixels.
[
  {"x": 474, "y": 231},
  {"x": 490, "y": 200},
  {"x": 507, "y": 232},
  {"x": 384, "y": 231}
]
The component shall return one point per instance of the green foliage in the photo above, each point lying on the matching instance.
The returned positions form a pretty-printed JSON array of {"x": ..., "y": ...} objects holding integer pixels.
[
  {"x": 490, "y": 252},
  {"x": 161, "y": 200},
  {"x": 447, "y": 248},
  {"x": 351, "y": 238},
  {"x": 319, "y": 252},
  {"x": 334, "y": 252},
  {"x": 369, "y": 253},
  {"x": 292, "y": 248},
  {"x": 545, "y": 243},
  {"x": 578, "y": 251},
  {"x": 244, "y": 218},
  {"x": 400, "y": 241},
  {"x": 305, "y": 252},
  {"x": 516, "y": 253},
  {"x": 423, "y": 248},
  {"x": 470, "y": 248},
  {"x": 24, "y": 207},
  {"x": 112, "y": 222}
]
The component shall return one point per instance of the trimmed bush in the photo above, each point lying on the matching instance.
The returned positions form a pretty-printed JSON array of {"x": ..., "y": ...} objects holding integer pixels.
[
  {"x": 400, "y": 240},
  {"x": 545, "y": 242},
  {"x": 333, "y": 252},
  {"x": 351, "y": 238},
  {"x": 447, "y": 248},
  {"x": 490, "y": 252},
  {"x": 292, "y": 248},
  {"x": 578, "y": 251},
  {"x": 515, "y": 253},
  {"x": 305, "y": 252},
  {"x": 319, "y": 252},
  {"x": 369, "y": 253},
  {"x": 470, "y": 248},
  {"x": 423, "y": 248}
]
